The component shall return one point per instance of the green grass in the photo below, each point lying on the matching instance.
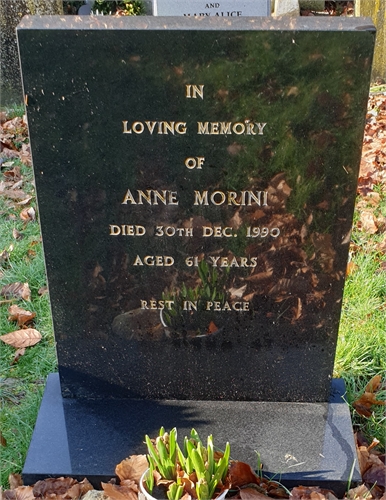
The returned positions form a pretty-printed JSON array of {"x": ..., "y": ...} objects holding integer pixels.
[
  {"x": 361, "y": 351},
  {"x": 13, "y": 110},
  {"x": 22, "y": 383}
]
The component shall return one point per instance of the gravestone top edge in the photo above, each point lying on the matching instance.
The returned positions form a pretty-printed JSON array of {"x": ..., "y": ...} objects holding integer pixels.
[{"x": 195, "y": 23}]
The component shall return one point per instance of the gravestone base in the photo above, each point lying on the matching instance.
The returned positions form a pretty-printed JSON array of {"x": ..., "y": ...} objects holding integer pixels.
[{"x": 299, "y": 443}]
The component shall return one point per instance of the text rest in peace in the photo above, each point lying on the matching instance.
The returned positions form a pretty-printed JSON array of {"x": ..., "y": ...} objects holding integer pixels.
[{"x": 192, "y": 305}]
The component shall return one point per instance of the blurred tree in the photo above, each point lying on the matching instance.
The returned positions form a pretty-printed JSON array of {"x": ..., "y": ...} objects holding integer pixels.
[
  {"x": 376, "y": 9},
  {"x": 11, "y": 12}
]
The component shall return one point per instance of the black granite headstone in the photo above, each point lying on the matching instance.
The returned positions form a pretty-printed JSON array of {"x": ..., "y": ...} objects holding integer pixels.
[{"x": 196, "y": 181}]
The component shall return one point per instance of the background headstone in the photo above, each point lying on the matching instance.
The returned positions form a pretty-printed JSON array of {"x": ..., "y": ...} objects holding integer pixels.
[
  {"x": 223, "y": 8},
  {"x": 286, "y": 7}
]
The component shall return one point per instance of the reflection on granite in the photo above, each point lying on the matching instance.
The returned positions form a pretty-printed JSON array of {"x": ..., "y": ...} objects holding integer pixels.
[{"x": 196, "y": 182}]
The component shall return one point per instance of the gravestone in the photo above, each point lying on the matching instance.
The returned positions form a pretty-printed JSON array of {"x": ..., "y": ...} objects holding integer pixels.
[
  {"x": 196, "y": 181},
  {"x": 224, "y": 8}
]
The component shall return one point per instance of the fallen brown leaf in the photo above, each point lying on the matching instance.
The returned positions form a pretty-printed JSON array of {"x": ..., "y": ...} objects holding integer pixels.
[
  {"x": 4, "y": 256},
  {"x": 20, "y": 315},
  {"x": 25, "y": 201},
  {"x": 78, "y": 490},
  {"x": 251, "y": 493},
  {"x": 359, "y": 492},
  {"x": 212, "y": 327},
  {"x": 376, "y": 475},
  {"x": 16, "y": 234},
  {"x": 237, "y": 292},
  {"x": 126, "y": 492},
  {"x": 28, "y": 214},
  {"x": 351, "y": 268},
  {"x": 3, "y": 441},
  {"x": 240, "y": 474},
  {"x": 15, "y": 480},
  {"x": 364, "y": 403},
  {"x": 18, "y": 290},
  {"x": 66, "y": 487},
  {"x": 374, "y": 384},
  {"x": 368, "y": 223},
  {"x": 43, "y": 290},
  {"x": 13, "y": 174},
  {"x": 18, "y": 354},
  {"x": 20, "y": 493},
  {"x": 132, "y": 468},
  {"x": 22, "y": 338},
  {"x": 17, "y": 194},
  {"x": 311, "y": 493}
]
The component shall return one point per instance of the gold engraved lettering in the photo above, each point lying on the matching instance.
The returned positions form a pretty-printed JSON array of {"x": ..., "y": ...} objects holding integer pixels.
[
  {"x": 235, "y": 306},
  {"x": 172, "y": 231},
  {"x": 250, "y": 129},
  {"x": 192, "y": 91},
  {"x": 244, "y": 198},
  {"x": 262, "y": 232},
  {"x": 190, "y": 305},
  {"x": 151, "y": 197},
  {"x": 226, "y": 128},
  {"x": 218, "y": 198},
  {"x": 154, "y": 260},
  {"x": 201, "y": 198},
  {"x": 151, "y": 126},
  {"x": 160, "y": 128},
  {"x": 125, "y": 131},
  {"x": 214, "y": 128},
  {"x": 181, "y": 128},
  {"x": 218, "y": 261},
  {"x": 217, "y": 231},
  {"x": 157, "y": 304},
  {"x": 238, "y": 128},
  {"x": 203, "y": 128},
  {"x": 191, "y": 163},
  {"x": 126, "y": 230}
]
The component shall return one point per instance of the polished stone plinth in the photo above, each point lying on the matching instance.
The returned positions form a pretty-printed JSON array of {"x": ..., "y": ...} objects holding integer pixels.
[{"x": 299, "y": 443}]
